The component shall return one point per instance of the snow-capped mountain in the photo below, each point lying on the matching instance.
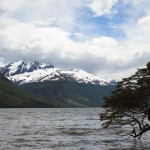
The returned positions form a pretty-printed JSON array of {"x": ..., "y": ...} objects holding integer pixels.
[
  {"x": 22, "y": 71},
  {"x": 23, "y": 66}
]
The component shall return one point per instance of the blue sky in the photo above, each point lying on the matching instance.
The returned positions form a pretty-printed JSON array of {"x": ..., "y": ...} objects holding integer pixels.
[{"x": 108, "y": 38}]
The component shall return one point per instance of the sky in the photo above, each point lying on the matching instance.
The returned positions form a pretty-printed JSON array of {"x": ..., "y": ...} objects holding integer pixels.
[{"x": 107, "y": 38}]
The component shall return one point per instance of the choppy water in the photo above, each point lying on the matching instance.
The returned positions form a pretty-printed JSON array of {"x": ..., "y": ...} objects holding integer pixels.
[{"x": 61, "y": 129}]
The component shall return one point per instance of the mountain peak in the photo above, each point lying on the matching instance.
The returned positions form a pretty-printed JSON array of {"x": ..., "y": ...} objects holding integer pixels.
[
  {"x": 22, "y": 66},
  {"x": 78, "y": 70}
]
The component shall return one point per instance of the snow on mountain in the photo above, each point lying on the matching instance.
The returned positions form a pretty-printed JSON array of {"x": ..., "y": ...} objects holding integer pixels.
[
  {"x": 22, "y": 72},
  {"x": 23, "y": 66}
]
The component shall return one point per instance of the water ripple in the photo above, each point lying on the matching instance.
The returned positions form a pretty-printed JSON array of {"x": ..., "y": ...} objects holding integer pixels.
[{"x": 62, "y": 129}]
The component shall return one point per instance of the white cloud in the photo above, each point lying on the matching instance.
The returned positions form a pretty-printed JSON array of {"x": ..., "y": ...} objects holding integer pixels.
[
  {"x": 78, "y": 34},
  {"x": 7, "y": 6},
  {"x": 137, "y": 36},
  {"x": 103, "y": 7},
  {"x": 103, "y": 47},
  {"x": 144, "y": 23},
  {"x": 105, "y": 42},
  {"x": 57, "y": 13},
  {"x": 134, "y": 2},
  {"x": 25, "y": 37}
]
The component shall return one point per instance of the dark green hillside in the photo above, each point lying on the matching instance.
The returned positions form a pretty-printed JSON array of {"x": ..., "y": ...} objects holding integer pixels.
[
  {"x": 70, "y": 94},
  {"x": 12, "y": 96}
]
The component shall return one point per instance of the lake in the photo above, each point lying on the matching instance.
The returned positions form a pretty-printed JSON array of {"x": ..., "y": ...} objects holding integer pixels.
[{"x": 62, "y": 129}]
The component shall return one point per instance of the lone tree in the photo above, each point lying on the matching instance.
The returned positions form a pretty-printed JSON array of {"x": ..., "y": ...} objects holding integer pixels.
[{"x": 129, "y": 104}]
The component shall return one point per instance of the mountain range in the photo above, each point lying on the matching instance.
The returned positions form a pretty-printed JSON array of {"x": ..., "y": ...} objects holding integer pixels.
[
  {"x": 73, "y": 88},
  {"x": 22, "y": 72}
]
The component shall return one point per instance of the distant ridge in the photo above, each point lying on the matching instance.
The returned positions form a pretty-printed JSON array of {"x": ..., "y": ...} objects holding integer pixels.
[
  {"x": 12, "y": 96},
  {"x": 22, "y": 71}
]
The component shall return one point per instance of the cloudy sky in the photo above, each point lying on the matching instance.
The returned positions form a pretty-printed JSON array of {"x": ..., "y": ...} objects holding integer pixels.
[{"x": 108, "y": 38}]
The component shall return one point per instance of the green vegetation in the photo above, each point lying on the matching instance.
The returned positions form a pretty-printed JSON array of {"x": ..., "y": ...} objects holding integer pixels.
[
  {"x": 70, "y": 94},
  {"x": 13, "y": 97},
  {"x": 129, "y": 104}
]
